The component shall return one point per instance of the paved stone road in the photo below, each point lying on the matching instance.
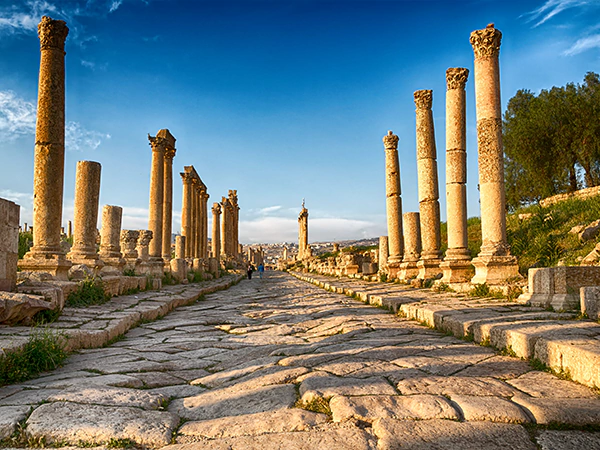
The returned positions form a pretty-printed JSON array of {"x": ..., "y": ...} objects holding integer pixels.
[{"x": 243, "y": 369}]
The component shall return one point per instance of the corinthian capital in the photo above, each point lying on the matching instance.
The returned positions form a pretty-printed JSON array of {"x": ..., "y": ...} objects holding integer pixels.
[
  {"x": 424, "y": 99},
  {"x": 158, "y": 144},
  {"x": 170, "y": 152},
  {"x": 186, "y": 177},
  {"x": 52, "y": 33},
  {"x": 390, "y": 142},
  {"x": 456, "y": 78},
  {"x": 486, "y": 42},
  {"x": 216, "y": 209}
]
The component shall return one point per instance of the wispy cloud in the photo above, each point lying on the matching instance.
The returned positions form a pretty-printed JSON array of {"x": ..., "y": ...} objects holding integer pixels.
[
  {"x": 17, "y": 118},
  {"x": 115, "y": 5},
  {"x": 269, "y": 210},
  {"x": 553, "y": 7},
  {"x": 78, "y": 139},
  {"x": 583, "y": 44}
]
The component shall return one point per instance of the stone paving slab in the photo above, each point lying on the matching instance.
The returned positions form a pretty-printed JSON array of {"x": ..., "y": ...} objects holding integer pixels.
[{"x": 555, "y": 339}]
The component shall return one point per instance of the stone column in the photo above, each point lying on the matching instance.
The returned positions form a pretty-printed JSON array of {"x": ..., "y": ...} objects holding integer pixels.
[
  {"x": 412, "y": 246},
  {"x": 494, "y": 264},
  {"x": 129, "y": 239},
  {"x": 383, "y": 253},
  {"x": 69, "y": 229},
  {"x": 157, "y": 178},
  {"x": 216, "y": 238},
  {"x": 198, "y": 224},
  {"x": 186, "y": 212},
  {"x": 303, "y": 233},
  {"x": 110, "y": 237},
  {"x": 49, "y": 157},
  {"x": 143, "y": 247},
  {"x": 168, "y": 204},
  {"x": 178, "y": 265},
  {"x": 204, "y": 224},
  {"x": 87, "y": 196},
  {"x": 429, "y": 205},
  {"x": 393, "y": 203},
  {"x": 224, "y": 227},
  {"x": 457, "y": 262}
]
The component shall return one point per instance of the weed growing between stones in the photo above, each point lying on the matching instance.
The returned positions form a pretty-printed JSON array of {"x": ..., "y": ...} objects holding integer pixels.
[
  {"x": 120, "y": 443},
  {"x": 317, "y": 404},
  {"x": 195, "y": 277},
  {"x": 89, "y": 292},
  {"x": 45, "y": 317},
  {"x": 44, "y": 351},
  {"x": 114, "y": 340},
  {"x": 483, "y": 290},
  {"x": 168, "y": 279},
  {"x": 443, "y": 287},
  {"x": 129, "y": 273}
]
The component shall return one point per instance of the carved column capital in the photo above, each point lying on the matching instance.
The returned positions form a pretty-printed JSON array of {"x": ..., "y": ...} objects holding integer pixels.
[
  {"x": 170, "y": 152},
  {"x": 216, "y": 209},
  {"x": 456, "y": 78},
  {"x": 390, "y": 142},
  {"x": 486, "y": 42},
  {"x": 423, "y": 99},
  {"x": 129, "y": 236},
  {"x": 158, "y": 144},
  {"x": 186, "y": 178},
  {"x": 145, "y": 237},
  {"x": 52, "y": 33}
]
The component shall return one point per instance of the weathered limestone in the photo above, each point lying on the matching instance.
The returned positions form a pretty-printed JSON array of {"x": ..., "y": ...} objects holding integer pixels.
[
  {"x": 87, "y": 196},
  {"x": 143, "y": 250},
  {"x": 393, "y": 203},
  {"x": 168, "y": 201},
  {"x": 69, "y": 229},
  {"x": 429, "y": 205},
  {"x": 233, "y": 199},
  {"x": 178, "y": 264},
  {"x": 129, "y": 240},
  {"x": 9, "y": 244},
  {"x": 194, "y": 220},
  {"x": 412, "y": 246},
  {"x": 303, "y": 233},
  {"x": 49, "y": 158},
  {"x": 457, "y": 262},
  {"x": 204, "y": 223},
  {"x": 216, "y": 236},
  {"x": 494, "y": 264},
  {"x": 186, "y": 211},
  {"x": 383, "y": 253},
  {"x": 559, "y": 287},
  {"x": 155, "y": 212},
  {"x": 110, "y": 234}
]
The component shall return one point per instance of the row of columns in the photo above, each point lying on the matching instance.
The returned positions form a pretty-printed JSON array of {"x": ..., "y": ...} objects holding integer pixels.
[
  {"x": 194, "y": 214},
  {"x": 230, "y": 226},
  {"x": 421, "y": 237}
]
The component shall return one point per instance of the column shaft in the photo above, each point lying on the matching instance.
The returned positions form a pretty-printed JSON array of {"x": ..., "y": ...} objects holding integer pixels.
[
  {"x": 393, "y": 199},
  {"x": 186, "y": 212},
  {"x": 168, "y": 205},
  {"x": 157, "y": 176}
]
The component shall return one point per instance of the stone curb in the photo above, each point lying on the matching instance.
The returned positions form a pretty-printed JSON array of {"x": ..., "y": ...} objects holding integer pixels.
[
  {"x": 567, "y": 347},
  {"x": 106, "y": 322}
]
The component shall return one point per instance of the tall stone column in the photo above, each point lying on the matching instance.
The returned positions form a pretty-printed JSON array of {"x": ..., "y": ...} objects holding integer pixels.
[
  {"x": 49, "y": 156},
  {"x": 412, "y": 246},
  {"x": 429, "y": 205},
  {"x": 216, "y": 238},
  {"x": 456, "y": 266},
  {"x": 233, "y": 199},
  {"x": 157, "y": 177},
  {"x": 303, "y": 233},
  {"x": 110, "y": 237},
  {"x": 87, "y": 196},
  {"x": 494, "y": 264},
  {"x": 204, "y": 224},
  {"x": 168, "y": 204},
  {"x": 194, "y": 219},
  {"x": 224, "y": 226},
  {"x": 198, "y": 225},
  {"x": 393, "y": 203},
  {"x": 186, "y": 211}
]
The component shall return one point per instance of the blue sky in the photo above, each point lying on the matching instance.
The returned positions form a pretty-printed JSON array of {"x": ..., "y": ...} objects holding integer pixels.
[{"x": 281, "y": 100}]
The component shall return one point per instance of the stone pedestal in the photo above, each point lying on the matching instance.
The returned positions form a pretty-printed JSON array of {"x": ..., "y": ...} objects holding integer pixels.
[
  {"x": 393, "y": 201},
  {"x": 87, "y": 196},
  {"x": 494, "y": 263},
  {"x": 9, "y": 244},
  {"x": 49, "y": 158},
  {"x": 412, "y": 246},
  {"x": 110, "y": 237}
]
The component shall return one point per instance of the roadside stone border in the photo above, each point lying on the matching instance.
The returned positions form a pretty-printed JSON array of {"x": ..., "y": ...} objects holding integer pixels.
[
  {"x": 566, "y": 346},
  {"x": 95, "y": 326}
]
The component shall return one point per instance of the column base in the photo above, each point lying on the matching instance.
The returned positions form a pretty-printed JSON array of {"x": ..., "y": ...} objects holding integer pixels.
[
  {"x": 116, "y": 263},
  {"x": 457, "y": 271},
  {"x": 408, "y": 270},
  {"x": 494, "y": 270},
  {"x": 178, "y": 268},
  {"x": 56, "y": 264},
  {"x": 429, "y": 268},
  {"x": 157, "y": 266},
  {"x": 392, "y": 270}
]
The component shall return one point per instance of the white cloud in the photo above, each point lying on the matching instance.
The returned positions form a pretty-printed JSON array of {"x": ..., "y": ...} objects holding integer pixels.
[
  {"x": 79, "y": 139},
  {"x": 17, "y": 116},
  {"x": 268, "y": 210},
  {"x": 553, "y": 7},
  {"x": 25, "y": 17},
  {"x": 115, "y": 5},
  {"x": 279, "y": 229},
  {"x": 583, "y": 44}
]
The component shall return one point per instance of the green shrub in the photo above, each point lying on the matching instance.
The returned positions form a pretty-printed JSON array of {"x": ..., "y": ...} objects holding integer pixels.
[
  {"x": 25, "y": 242},
  {"x": 89, "y": 292},
  {"x": 44, "y": 351},
  {"x": 168, "y": 279},
  {"x": 129, "y": 273}
]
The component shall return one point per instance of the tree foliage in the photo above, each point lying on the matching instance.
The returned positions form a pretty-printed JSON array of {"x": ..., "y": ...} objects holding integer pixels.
[{"x": 552, "y": 141}]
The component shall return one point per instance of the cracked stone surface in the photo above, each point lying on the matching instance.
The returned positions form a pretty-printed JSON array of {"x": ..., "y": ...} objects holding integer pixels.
[{"x": 240, "y": 368}]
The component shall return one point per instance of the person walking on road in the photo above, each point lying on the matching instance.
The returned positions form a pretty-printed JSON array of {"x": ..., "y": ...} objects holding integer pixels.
[
  {"x": 261, "y": 270},
  {"x": 249, "y": 271}
]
